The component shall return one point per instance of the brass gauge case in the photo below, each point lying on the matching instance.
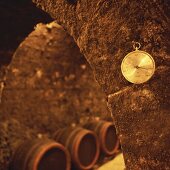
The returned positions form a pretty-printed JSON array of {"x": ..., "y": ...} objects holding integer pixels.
[{"x": 138, "y": 67}]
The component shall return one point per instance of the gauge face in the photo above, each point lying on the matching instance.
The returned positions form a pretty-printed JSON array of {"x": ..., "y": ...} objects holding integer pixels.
[{"x": 138, "y": 67}]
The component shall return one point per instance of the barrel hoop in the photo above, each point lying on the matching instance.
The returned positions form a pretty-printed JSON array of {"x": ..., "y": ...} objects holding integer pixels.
[
  {"x": 58, "y": 134},
  {"x": 18, "y": 155},
  {"x": 34, "y": 147},
  {"x": 76, "y": 146},
  {"x": 99, "y": 124},
  {"x": 42, "y": 150},
  {"x": 73, "y": 133},
  {"x": 103, "y": 137}
]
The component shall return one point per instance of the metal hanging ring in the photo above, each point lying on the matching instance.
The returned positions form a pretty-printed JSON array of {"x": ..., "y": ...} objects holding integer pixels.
[{"x": 136, "y": 45}]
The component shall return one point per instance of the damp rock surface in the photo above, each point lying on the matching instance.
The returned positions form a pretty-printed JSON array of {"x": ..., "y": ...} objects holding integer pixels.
[
  {"x": 104, "y": 31},
  {"x": 12, "y": 134},
  {"x": 49, "y": 84}
]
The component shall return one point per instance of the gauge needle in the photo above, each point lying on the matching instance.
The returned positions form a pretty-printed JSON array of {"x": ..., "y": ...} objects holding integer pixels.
[{"x": 143, "y": 68}]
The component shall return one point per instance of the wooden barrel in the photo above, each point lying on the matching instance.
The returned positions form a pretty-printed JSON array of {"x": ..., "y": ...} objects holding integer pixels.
[
  {"x": 41, "y": 155},
  {"x": 106, "y": 133},
  {"x": 82, "y": 144}
]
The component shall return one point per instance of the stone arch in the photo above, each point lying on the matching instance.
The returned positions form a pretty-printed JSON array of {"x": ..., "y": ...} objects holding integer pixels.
[{"x": 104, "y": 31}]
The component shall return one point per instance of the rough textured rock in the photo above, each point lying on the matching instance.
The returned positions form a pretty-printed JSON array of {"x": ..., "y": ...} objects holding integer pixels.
[
  {"x": 12, "y": 134},
  {"x": 49, "y": 84},
  {"x": 18, "y": 18},
  {"x": 104, "y": 31}
]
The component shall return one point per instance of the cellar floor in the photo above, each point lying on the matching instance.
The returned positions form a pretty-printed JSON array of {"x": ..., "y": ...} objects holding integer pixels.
[{"x": 116, "y": 164}]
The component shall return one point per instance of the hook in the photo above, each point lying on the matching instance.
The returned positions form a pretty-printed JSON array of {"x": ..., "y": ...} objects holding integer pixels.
[{"x": 136, "y": 45}]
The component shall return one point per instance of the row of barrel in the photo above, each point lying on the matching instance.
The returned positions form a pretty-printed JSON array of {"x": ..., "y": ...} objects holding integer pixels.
[{"x": 76, "y": 147}]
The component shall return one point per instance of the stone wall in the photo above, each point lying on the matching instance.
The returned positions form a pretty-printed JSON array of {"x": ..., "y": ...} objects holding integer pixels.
[
  {"x": 49, "y": 85},
  {"x": 104, "y": 32}
]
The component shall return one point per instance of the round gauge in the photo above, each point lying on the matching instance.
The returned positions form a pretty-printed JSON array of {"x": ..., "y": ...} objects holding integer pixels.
[{"x": 138, "y": 67}]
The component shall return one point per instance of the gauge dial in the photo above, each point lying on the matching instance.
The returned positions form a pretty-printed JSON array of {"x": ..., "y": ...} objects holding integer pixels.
[{"x": 138, "y": 67}]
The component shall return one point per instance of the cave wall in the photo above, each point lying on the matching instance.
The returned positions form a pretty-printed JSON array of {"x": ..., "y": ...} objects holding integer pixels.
[
  {"x": 49, "y": 85},
  {"x": 104, "y": 32}
]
